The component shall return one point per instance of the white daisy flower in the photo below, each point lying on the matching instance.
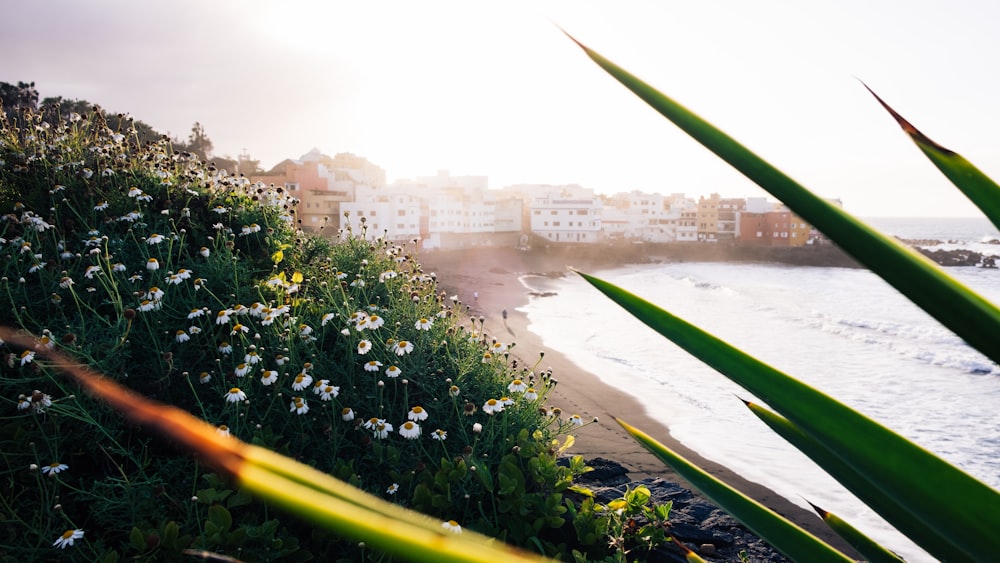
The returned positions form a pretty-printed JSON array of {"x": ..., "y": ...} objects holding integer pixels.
[
  {"x": 328, "y": 392},
  {"x": 235, "y": 395},
  {"x": 269, "y": 377},
  {"x": 299, "y": 405},
  {"x": 302, "y": 380},
  {"x": 54, "y": 468},
  {"x": 410, "y": 430},
  {"x": 67, "y": 539},
  {"x": 492, "y": 406}
]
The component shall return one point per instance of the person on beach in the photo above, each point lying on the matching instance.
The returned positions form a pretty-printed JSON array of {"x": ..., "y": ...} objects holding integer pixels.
[
  {"x": 475, "y": 296},
  {"x": 504, "y": 314}
]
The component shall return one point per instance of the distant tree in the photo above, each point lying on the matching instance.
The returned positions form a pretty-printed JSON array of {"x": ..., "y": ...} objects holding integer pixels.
[
  {"x": 22, "y": 96},
  {"x": 199, "y": 143}
]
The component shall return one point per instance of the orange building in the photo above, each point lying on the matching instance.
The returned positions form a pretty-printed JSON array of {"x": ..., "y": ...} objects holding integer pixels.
[{"x": 773, "y": 228}]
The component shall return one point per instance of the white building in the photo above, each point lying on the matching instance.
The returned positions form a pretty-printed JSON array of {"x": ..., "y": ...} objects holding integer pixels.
[
  {"x": 393, "y": 215},
  {"x": 567, "y": 214}
]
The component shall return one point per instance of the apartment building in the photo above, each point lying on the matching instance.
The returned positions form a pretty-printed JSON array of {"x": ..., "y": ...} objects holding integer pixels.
[
  {"x": 716, "y": 218},
  {"x": 763, "y": 223},
  {"x": 393, "y": 215},
  {"x": 566, "y": 214}
]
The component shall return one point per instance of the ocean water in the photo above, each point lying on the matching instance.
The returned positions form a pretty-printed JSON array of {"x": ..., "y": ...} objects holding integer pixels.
[{"x": 842, "y": 330}]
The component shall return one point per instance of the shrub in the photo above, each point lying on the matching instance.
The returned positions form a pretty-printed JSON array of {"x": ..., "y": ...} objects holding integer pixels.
[{"x": 194, "y": 288}]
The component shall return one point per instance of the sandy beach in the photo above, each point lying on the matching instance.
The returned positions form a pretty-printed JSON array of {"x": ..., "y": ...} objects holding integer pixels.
[{"x": 495, "y": 274}]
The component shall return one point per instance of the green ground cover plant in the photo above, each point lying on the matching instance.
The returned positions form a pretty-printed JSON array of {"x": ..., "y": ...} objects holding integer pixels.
[{"x": 194, "y": 288}]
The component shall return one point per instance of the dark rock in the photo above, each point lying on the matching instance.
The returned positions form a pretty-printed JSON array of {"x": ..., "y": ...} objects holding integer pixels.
[{"x": 606, "y": 472}]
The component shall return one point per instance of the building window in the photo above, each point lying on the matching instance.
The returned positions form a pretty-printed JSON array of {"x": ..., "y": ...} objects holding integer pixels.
[
  {"x": 401, "y": 213},
  {"x": 292, "y": 187}
]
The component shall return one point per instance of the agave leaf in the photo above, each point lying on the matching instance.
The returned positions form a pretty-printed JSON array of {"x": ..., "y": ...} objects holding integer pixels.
[
  {"x": 978, "y": 187},
  {"x": 788, "y": 538},
  {"x": 872, "y": 550},
  {"x": 942, "y": 496},
  {"x": 856, "y": 483},
  {"x": 970, "y": 316}
]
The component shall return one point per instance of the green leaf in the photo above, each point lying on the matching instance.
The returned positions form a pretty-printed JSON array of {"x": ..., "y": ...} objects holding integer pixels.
[
  {"x": 638, "y": 497},
  {"x": 970, "y": 316},
  {"x": 220, "y": 517},
  {"x": 978, "y": 187},
  {"x": 873, "y": 496},
  {"x": 663, "y": 510},
  {"x": 241, "y": 498},
  {"x": 483, "y": 473},
  {"x": 942, "y": 496},
  {"x": 791, "y": 540},
  {"x": 170, "y": 533},
  {"x": 137, "y": 539},
  {"x": 869, "y": 548}
]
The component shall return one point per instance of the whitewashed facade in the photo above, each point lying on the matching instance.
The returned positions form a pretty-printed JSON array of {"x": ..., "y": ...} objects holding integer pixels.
[
  {"x": 567, "y": 214},
  {"x": 395, "y": 216}
]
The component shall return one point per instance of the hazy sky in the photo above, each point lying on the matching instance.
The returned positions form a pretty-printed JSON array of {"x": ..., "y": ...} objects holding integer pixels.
[{"x": 495, "y": 89}]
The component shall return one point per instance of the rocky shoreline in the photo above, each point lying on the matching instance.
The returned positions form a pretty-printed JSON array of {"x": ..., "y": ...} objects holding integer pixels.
[{"x": 822, "y": 255}]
